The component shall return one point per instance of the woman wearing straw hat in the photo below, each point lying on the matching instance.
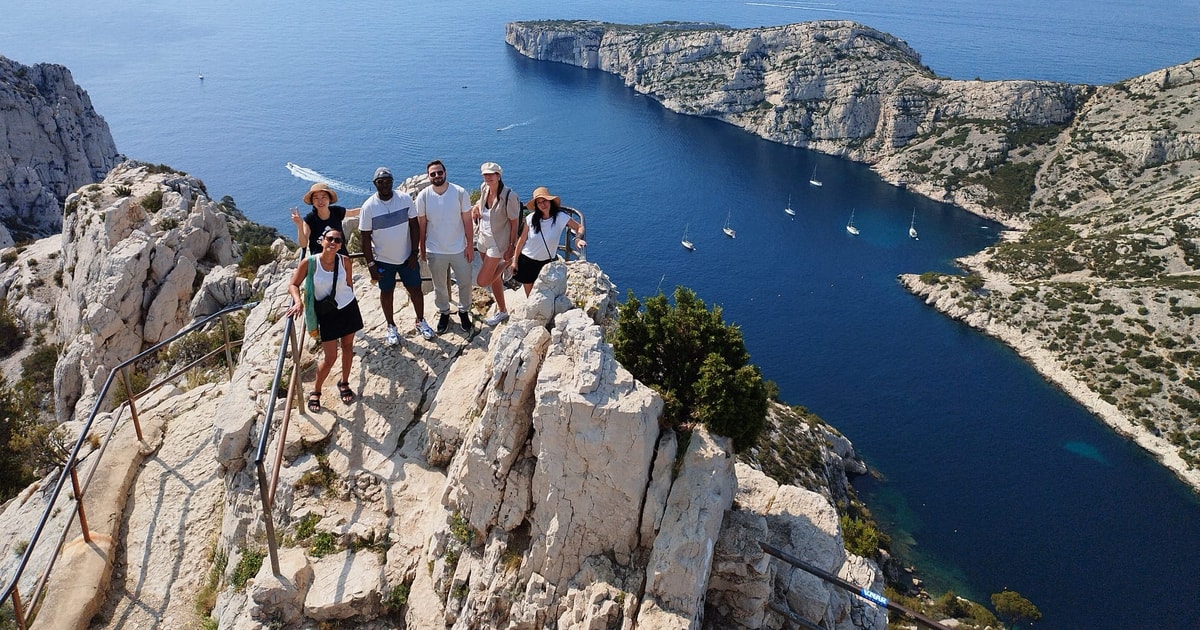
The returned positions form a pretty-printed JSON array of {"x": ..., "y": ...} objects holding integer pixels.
[
  {"x": 496, "y": 213},
  {"x": 539, "y": 241},
  {"x": 330, "y": 311},
  {"x": 323, "y": 215}
]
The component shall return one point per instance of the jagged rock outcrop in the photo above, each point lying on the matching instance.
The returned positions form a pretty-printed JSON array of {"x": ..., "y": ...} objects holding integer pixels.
[
  {"x": 135, "y": 250},
  {"x": 51, "y": 143}
]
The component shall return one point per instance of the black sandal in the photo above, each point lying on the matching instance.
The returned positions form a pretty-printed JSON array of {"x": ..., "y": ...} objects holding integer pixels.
[
  {"x": 347, "y": 393},
  {"x": 314, "y": 402}
]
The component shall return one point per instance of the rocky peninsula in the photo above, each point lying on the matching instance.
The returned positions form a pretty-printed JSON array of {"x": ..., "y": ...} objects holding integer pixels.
[{"x": 1096, "y": 281}]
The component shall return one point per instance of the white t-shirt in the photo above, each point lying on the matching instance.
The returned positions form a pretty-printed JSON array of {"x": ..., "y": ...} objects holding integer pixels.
[
  {"x": 323, "y": 283},
  {"x": 544, "y": 245},
  {"x": 444, "y": 230},
  {"x": 388, "y": 223}
]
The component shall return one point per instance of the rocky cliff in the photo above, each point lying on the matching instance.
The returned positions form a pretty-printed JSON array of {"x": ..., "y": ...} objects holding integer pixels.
[
  {"x": 516, "y": 477},
  {"x": 51, "y": 143},
  {"x": 832, "y": 86},
  {"x": 1102, "y": 182}
]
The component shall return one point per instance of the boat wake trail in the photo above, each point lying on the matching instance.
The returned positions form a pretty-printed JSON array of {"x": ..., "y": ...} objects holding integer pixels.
[
  {"x": 309, "y": 175},
  {"x": 514, "y": 125}
]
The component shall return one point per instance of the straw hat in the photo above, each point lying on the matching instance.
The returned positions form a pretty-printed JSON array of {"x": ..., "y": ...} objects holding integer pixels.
[
  {"x": 319, "y": 186},
  {"x": 490, "y": 167},
  {"x": 541, "y": 192}
]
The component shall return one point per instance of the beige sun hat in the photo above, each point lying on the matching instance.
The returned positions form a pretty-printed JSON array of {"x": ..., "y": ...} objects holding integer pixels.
[
  {"x": 490, "y": 167},
  {"x": 541, "y": 192},
  {"x": 317, "y": 187}
]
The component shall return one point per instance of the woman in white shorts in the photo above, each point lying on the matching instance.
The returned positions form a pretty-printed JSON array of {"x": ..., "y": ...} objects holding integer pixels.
[{"x": 496, "y": 214}]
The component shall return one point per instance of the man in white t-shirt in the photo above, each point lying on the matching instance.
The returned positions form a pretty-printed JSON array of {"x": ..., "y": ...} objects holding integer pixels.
[
  {"x": 447, "y": 242},
  {"x": 389, "y": 243}
]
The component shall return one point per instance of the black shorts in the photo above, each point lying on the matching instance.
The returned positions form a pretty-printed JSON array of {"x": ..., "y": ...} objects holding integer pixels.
[
  {"x": 342, "y": 322},
  {"x": 528, "y": 269}
]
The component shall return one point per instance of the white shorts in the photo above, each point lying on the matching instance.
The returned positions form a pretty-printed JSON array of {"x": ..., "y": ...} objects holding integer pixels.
[{"x": 488, "y": 246}]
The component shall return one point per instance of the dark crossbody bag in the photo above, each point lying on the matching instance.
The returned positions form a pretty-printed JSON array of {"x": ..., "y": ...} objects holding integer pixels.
[{"x": 328, "y": 304}]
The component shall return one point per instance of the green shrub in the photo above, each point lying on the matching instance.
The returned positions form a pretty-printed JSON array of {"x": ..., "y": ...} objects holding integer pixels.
[
  {"x": 247, "y": 567},
  {"x": 323, "y": 544},
  {"x": 696, "y": 362},
  {"x": 12, "y": 336},
  {"x": 152, "y": 202},
  {"x": 860, "y": 536},
  {"x": 254, "y": 257}
]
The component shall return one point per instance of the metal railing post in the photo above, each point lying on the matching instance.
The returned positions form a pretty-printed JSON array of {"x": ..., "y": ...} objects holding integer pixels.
[
  {"x": 17, "y": 612},
  {"x": 87, "y": 535},
  {"x": 137, "y": 425},
  {"x": 268, "y": 517},
  {"x": 228, "y": 354}
]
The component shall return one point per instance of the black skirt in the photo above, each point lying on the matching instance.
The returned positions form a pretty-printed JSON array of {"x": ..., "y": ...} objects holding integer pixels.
[
  {"x": 342, "y": 322},
  {"x": 528, "y": 269}
]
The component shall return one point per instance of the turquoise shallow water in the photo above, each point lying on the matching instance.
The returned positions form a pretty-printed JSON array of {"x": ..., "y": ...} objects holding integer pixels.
[{"x": 994, "y": 478}]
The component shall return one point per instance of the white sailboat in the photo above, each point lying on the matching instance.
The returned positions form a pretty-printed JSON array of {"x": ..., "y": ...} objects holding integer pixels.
[
  {"x": 685, "y": 242},
  {"x": 912, "y": 226},
  {"x": 813, "y": 180},
  {"x": 850, "y": 224},
  {"x": 788, "y": 209},
  {"x": 728, "y": 230}
]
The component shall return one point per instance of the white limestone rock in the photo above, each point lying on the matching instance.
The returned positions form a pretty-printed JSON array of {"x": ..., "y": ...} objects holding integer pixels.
[
  {"x": 678, "y": 570},
  {"x": 345, "y": 585},
  {"x": 53, "y": 143}
]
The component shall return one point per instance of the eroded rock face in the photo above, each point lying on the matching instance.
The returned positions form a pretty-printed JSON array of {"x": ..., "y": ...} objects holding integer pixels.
[
  {"x": 135, "y": 248},
  {"x": 51, "y": 143}
]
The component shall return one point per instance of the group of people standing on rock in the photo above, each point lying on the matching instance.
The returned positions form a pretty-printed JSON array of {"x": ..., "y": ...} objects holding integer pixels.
[{"x": 442, "y": 228}]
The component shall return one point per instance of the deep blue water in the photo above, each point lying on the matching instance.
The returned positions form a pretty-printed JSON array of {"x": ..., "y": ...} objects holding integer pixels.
[{"x": 994, "y": 479}]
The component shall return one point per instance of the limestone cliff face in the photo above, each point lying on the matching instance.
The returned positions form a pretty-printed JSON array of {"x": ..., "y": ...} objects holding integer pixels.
[
  {"x": 833, "y": 86},
  {"x": 51, "y": 143},
  {"x": 143, "y": 252}
]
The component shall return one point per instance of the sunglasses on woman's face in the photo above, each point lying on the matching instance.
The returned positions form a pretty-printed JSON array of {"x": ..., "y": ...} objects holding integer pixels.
[{"x": 333, "y": 239}]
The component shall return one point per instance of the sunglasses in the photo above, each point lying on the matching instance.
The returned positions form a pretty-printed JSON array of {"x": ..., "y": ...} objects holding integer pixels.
[
  {"x": 333, "y": 239},
  {"x": 437, "y": 174}
]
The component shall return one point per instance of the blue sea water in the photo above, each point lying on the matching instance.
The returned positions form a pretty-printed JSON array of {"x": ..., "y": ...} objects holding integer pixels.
[{"x": 992, "y": 478}]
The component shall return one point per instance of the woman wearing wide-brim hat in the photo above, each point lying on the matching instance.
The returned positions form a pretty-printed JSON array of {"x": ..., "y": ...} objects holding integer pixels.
[
  {"x": 539, "y": 240},
  {"x": 330, "y": 311},
  {"x": 323, "y": 215}
]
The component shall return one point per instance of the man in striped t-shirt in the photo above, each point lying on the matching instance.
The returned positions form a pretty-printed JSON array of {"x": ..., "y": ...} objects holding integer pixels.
[{"x": 389, "y": 243}]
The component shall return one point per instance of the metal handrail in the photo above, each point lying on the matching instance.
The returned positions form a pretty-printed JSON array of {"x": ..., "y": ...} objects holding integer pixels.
[
  {"x": 11, "y": 591},
  {"x": 875, "y": 598}
]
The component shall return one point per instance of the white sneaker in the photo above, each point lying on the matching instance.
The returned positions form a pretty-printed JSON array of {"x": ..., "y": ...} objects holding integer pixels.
[
  {"x": 424, "y": 329},
  {"x": 392, "y": 337},
  {"x": 496, "y": 318}
]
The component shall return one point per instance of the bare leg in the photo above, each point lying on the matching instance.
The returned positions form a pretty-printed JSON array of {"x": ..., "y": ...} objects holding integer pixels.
[
  {"x": 385, "y": 302},
  {"x": 328, "y": 355},
  {"x": 347, "y": 356},
  {"x": 418, "y": 301},
  {"x": 490, "y": 273},
  {"x": 528, "y": 289}
]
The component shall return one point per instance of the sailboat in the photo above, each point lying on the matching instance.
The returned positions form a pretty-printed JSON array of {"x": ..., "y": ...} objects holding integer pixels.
[
  {"x": 912, "y": 226},
  {"x": 728, "y": 230},
  {"x": 685, "y": 242},
  {"x": 813, "y": 180},
  {"x": 850, "y": 224},
  {"x": 788, "y": 209}
]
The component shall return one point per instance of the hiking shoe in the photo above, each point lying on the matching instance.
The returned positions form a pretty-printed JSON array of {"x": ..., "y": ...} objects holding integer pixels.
[
  {"x": 392, "y": 337},
  {"x": 465, "y": 318},
  {"x": 443, "y": 323},
  {"x": 496, "y": 318},
  {"x": 424, "y": 329}
]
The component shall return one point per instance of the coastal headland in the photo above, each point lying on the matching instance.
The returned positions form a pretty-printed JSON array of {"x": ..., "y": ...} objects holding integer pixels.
[{"x": 1096, "y": 281}]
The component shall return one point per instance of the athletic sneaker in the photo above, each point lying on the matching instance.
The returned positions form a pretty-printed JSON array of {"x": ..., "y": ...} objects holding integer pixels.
[
  {"x": 496, "y": 318},
  {"x": 443, "y": 323},
  {"x": 392, "y": 337},
  {"x": 424, "y": 329},
  {"x": 465, "y": 318}
]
